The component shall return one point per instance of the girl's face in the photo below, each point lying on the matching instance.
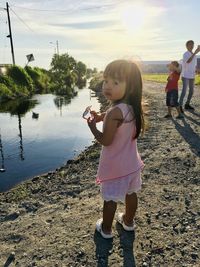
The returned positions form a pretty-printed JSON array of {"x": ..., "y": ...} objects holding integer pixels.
[{"x": 114, "y": 89}]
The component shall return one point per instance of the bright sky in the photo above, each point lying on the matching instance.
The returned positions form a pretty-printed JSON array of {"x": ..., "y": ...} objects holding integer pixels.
[{"x": 97, "y": 32}]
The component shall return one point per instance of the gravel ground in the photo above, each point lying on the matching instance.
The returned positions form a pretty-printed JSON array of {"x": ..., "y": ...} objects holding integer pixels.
[{"x": 50, "y": 220}]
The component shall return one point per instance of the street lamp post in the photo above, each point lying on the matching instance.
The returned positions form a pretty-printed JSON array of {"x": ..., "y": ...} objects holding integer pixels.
[{"x": 56, "y": 48}]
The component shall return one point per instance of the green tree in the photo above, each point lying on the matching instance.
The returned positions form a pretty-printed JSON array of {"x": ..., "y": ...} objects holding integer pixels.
[
  {"x": 81, "y": 71},
  {"x": 63, "y": 73}
]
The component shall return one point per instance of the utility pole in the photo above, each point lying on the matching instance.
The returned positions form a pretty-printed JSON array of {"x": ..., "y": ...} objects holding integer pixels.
[
  {"x": 57, "y": 47},
  {"x": 10, "y": 34}
]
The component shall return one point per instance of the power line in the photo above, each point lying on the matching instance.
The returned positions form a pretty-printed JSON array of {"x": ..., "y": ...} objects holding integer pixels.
[
  {"x": 22, "y": 21},
  {"x": 64, "y": 10}
]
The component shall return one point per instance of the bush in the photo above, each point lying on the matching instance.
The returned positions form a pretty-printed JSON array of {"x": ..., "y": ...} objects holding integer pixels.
[
  {"x": 40, "y": 77},
  {"x": 34, "y": 74},
  {"x": 5, "y": 93},
  {"x": 10, "y": 84},
  {"x": 197, "y": 79},
  {"x": 96, "y": 83},
  {"x": 20, "y": 77}
]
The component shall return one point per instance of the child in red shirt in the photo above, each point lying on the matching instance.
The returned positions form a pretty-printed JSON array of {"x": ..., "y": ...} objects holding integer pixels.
[{"x": 172, "y": 90}]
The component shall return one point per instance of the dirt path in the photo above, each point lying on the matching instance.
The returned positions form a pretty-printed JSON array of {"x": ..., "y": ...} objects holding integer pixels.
[{"x": 50, "y": 220}]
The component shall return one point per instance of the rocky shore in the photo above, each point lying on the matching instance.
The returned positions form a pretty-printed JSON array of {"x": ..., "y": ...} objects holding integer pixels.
[{"x": 50, "y": 220}]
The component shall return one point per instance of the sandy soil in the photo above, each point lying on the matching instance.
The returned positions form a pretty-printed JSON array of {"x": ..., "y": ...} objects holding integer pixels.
[{"x": 50, "y": 220}]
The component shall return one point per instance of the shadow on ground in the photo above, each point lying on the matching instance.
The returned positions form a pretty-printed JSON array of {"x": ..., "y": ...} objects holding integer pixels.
[
  {"x": 194, "y": 113},
  {"x": 104, "y": 247},
  {"x": 193, "y": 139},
  {"x": 126, "y": 243},
  {"x": 192, "y": 120}
]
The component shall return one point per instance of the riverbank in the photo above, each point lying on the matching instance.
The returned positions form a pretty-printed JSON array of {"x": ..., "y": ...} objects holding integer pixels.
[{"x": 50, "y": 220}]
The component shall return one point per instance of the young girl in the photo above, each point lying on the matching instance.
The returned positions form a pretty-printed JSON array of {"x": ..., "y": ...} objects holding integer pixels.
[{"x": 120, "y": 164}]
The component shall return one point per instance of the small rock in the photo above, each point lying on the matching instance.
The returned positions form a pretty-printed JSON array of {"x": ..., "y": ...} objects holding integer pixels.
[
  {"x": 35, "y": 179},
  {"x": 13, "y": 216},
  {"x": 194, "y": 256}
]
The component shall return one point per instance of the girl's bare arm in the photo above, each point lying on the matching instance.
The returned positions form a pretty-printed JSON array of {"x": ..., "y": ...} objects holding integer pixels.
[
  {"x": 110, "y": 127},
  {"x": 98, "y": 117}
]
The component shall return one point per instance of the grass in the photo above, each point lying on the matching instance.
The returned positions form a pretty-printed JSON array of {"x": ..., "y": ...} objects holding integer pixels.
[
  {"x": 162, "y": 78},
  {"x": 156, "y": 77}
]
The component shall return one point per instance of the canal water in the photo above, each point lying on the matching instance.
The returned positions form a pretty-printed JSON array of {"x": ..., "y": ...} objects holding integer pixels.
[{"x": 41, "y": 134}]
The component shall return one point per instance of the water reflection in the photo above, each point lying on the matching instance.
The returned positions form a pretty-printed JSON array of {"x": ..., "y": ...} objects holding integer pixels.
[
  {"x": 15, "y": 107},
  {"x": 21, "y": 149},
  {"x": 61, "y": 101},
  {"x": 2, "y": 168},
  {"x": 41, "y": 134}
]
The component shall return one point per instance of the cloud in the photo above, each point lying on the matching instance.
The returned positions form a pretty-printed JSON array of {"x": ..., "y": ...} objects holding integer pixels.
[
  {"x": 87, "y": 25},
  {"x": 92, "y": 31}
]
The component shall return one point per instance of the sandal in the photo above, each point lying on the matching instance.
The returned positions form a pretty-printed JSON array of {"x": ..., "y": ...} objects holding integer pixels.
[
  {"x": 121, "y": 221},
  {"x": 99, "y": 229}
]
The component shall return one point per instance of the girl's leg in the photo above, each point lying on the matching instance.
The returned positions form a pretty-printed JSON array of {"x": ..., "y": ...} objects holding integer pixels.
[
  {"x": 131, "y": 207},
  {"x": 109, "y": 209}
]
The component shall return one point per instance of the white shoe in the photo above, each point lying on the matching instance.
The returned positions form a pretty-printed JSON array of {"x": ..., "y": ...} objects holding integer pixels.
[
  {"x": 121, "y": 221},
  {"x": 99, "y": 229}
]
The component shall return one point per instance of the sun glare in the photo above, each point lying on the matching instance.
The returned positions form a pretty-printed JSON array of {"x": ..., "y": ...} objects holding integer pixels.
[{"x": 133, "y": 17}]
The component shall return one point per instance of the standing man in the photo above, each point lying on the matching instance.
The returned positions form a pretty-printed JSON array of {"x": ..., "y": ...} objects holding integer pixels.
[{"x": 188, "y": 74}]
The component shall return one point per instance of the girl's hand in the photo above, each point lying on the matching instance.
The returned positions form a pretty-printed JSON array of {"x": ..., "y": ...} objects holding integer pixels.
[
  {"x": 91, "y": 123},
  {"x": 97, "y": 117}
]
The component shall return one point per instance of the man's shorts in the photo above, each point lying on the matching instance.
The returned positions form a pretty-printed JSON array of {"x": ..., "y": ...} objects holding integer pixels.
[{"x": 172, "y": 98}]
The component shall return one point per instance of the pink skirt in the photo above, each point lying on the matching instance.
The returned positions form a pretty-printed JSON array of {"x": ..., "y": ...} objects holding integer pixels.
[{"x": 117, "y": 189}]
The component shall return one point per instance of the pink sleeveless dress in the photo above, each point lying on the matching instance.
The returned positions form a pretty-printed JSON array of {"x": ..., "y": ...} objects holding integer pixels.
[{"x": 120, "y": 159}]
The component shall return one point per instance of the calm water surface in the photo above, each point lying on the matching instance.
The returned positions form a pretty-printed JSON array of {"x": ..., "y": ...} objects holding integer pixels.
[{"x": 31, "y": 146}]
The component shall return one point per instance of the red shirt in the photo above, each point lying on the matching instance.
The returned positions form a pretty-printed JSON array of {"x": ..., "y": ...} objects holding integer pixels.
[{"x": 172, "y": 81}]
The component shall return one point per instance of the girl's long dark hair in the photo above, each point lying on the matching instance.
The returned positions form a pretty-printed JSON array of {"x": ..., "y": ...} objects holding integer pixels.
[{"x": 128, "y": 71}]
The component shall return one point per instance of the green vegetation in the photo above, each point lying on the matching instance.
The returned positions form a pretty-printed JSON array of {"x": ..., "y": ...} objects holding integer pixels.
[
  {"x": 96, "y": 82},
  {"x": 91, "y": 72},
  {"x": 66, "y": 73},
  {"x": 4, "y": 91},
  {"x": 62, "y": 79},
  {"x": 162, "y": 78},
  {"x": 20, "y": 78},
  {"x": 40, "y": 78},
  {"x": 197, "y": 80},
  {"x": 23, "y": 82},
  {"x": 17, "y": 106},
  {"x": 156, "y": 77}
]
